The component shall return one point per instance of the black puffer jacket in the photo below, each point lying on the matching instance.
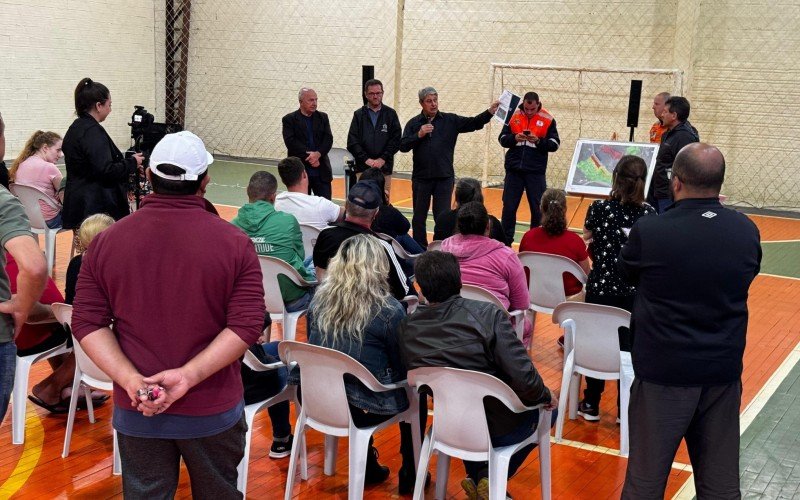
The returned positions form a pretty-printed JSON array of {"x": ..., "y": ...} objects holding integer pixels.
[
  {"x": 473, "y": 335},
  {"x": 671, "y": 143},
  {"x": 97, "y": 173}
]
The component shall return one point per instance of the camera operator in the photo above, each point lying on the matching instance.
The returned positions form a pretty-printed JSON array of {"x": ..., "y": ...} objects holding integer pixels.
[{"x": 97, "y": 172}]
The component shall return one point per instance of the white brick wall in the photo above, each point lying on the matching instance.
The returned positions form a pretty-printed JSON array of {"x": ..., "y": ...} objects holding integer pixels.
[{"x": 47, "y": 47}]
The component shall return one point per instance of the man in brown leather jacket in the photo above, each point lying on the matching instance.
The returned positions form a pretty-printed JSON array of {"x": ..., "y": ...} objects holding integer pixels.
[{"x": 468, "y": 334}]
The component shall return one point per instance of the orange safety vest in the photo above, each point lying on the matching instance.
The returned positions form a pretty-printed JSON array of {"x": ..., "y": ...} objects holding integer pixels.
[
  {"x": 656, "y": 131},
  {"x": 537, "y": 124}
]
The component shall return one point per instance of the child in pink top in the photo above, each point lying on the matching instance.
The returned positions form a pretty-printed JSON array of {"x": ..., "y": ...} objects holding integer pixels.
[{"x": 36, "y": 167}]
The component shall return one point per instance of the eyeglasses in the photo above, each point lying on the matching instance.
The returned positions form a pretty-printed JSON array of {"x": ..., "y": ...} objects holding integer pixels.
[{"x": 374, "y": 94}]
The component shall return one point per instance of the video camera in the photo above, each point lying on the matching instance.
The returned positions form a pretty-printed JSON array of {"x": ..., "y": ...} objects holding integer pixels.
[{"x": 145, "y": 134}]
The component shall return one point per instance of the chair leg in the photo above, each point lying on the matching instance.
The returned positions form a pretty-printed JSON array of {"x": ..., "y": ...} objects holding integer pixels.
[
  {"x": 87, "y": 391},
  {"x": 498, "y": 475},
  {"x": 242, "y": 468},
  {"x": 442, "y": 475},
  {"x": 73, "y": 405},
  {"x": 116, "y": 468},
  {"x": 543, "y": 431},
  {"x": 331, "y": 449},
  {"x": 574, "y": 395},
  {"x": 358, "y": 448},
  {"x": 624, "y": 402},
  {"x": 304, "y": 459},
  {"x": 300, "y": 430},
  {"x": 566, "y": 379},
  {"x": 19, "y": 399},
  {"x": 50, "y": 250},
  {"x": 289, "y": 325},
  {"x": 422, "y": 467}
]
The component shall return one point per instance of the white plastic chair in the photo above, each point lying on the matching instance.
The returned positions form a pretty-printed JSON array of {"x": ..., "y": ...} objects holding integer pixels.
[
  {"x": 271, "y": 268},
  {"x": 475, "y": 292},
  {"x": 310, "y": 235},
  {"x": 325, "y": 409},
  {"x": 338, "y": 158},
  {"x": 546, "y": 281},
  {"x": 398, "y": 248},
  {"x": 30, "y": 197},
  {"x": 289, "y": 393},
  {"x": 434, "y": 245},
  {"x": 19, "y": 395},
  {"x": 460, "y": 428},
  {"x": 591, "y": 348},
  {"x": 90, "y": 376}
]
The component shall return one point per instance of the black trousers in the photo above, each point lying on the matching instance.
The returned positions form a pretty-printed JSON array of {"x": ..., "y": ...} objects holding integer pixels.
[
  {"x": 515, "y": 183},
  {"x": 422, "y": 190},
  {"x": 661, "y": 415},
  {"x": 150, "y": 466},
  {"x": 319, "y": 187}
]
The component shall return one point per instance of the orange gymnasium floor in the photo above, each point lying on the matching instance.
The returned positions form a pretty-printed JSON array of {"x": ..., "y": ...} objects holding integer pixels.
[{"x": 586, "y": 465}]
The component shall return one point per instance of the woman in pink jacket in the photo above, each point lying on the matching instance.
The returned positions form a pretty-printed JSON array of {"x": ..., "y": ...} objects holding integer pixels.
[{"x": 488, "y": 263}]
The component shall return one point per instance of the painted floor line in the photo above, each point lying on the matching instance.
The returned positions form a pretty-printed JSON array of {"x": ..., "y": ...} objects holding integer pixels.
[
  {"x": 31, "y": 451},
  {"x": 610, "y": 451},
  {"x": 751, "y": 411},
  {"x": 779, "y": 276}
]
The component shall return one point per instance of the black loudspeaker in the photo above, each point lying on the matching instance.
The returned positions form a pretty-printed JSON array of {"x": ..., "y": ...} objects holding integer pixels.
[
  {"x": 633, "y": 103},
  {"x": 367, "y": 73}
]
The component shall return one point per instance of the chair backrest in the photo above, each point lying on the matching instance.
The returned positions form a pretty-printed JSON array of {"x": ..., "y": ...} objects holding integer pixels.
[
  {"x": 30, "y": 197},
  {"x": 459, "y": 417},
  {"x": 271, "y": 268},
  {"x": 475, "y": 292},
  {"x": 398, "y": 248},
  {"x": 63, "y": 313},
  {"x": 310, "y": 235},
  {"x": 251, "y": 361},
  {"x": 322, "y": 380},
  {"x": 435, "y": 245},
  {"x": 596, "y": 328},
  {"x": 546, "y": 281},
  {"x": 338, "y": 157}
]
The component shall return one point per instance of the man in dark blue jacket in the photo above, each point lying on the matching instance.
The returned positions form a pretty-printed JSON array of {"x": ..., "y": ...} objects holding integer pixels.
[
  {"x": 432, "y": 174},
  {"x": 374, "y": 135},
  {"x": 307, "y": 135},
  {"x": 675, "y": 117},
  {"x": 530, "y": 136},
  {"x": 692, "y": 267}
]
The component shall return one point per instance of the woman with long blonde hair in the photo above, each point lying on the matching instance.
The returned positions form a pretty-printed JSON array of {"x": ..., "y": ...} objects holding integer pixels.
[
  {"x": 36, "y": 167},
  {"x": 353, "y": 312}
]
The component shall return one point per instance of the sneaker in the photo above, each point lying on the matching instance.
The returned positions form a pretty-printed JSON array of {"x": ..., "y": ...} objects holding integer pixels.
[
  {"x": 469, "y": 487},
  {"x": 375, "y": 472},
  {"x": 588, "y": 412},
  {"x": 281, "y": 449},
  {"x": 560, "y": 342}
]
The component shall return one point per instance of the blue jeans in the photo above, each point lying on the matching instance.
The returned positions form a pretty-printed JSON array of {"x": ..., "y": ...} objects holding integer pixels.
[
  {"x": 279, "y": 413},
  {"x": 409, "y": 244},
  {"x": 55, "y": 222},
  {"x": 478, "y": 470},
  {"x": 662, "y": 204},
  {"x": 8, "y": 365}
]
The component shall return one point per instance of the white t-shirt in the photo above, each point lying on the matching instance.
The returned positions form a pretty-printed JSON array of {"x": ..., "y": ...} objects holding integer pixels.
[{"x": 308, "y": 209}]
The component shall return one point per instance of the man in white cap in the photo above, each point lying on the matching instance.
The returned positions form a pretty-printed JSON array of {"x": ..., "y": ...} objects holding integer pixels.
[{"x": 182, "y": 288}]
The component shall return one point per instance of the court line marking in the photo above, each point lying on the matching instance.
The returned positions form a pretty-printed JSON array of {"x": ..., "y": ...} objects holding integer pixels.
[
  {"x": 610, "y": 451},
  {"x": 31, "y": 452},
  {"x": 752, "y": 410},
  {"x": 780, "y": 241}
]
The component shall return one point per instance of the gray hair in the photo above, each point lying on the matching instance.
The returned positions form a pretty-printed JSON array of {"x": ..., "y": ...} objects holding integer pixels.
[
  {"x": 426, "y": 92},
  {"x": 303, "y": 90},
  {"x": 357, "y": 212}
]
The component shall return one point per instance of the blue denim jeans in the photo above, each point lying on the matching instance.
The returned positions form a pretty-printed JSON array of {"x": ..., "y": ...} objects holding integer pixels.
[
  {"x": 55, "y": 222},
  {"x": 8, "y": 365}
]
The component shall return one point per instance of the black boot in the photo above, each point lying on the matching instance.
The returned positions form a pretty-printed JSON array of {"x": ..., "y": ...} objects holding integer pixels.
[{"x": 375, "y": 473}]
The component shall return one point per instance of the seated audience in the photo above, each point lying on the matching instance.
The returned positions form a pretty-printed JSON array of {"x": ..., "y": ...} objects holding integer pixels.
[
  {"x": 259, "y": 386},
  {"x": 607, "y": 225},
  {"x": 36, "y": 167},
  {"x": 390, "y": 220},
  {"x": 89, "y": 228},
  {"x": 54, "y": 391},
  {"x": 275, "y": 234},
  {"x": 467, "y": 190},
  {"x": 362, "y": 207},
  {"x": 460, "y": 333},
  {"x": 353, "y": 312},
  {"x": 553, "y": 237},
  {"x": 307, "y": 209},
  {"x": 488, "y": 263}
]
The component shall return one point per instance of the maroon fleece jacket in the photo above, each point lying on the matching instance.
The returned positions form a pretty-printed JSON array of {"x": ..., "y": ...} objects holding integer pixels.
[{"x": 170, "y": 277}]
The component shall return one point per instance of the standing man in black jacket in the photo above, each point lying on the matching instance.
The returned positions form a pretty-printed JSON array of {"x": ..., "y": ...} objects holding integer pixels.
[
  {"x": 433, "y": 135},
  {"x": 307, "y": 135},
  {"x": 374, "y": 135},
  {"x": 692, "y": 267},
  {"x": 460, "y": 333},
  {"x": 679, "y": 133}
]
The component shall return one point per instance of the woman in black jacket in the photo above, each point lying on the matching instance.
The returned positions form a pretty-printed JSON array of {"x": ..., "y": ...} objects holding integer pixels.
[{"x": 97, "y": 172}]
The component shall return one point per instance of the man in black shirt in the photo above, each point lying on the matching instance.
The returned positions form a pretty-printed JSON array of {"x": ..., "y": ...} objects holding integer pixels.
[
  {"x": 675, "y": 117},
  {"x": 692, "y": 267},
  {"x": 433, "y": 135}
]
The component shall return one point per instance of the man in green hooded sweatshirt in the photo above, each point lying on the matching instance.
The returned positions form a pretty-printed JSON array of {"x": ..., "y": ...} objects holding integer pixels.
[{"x": 276, "y": 234}]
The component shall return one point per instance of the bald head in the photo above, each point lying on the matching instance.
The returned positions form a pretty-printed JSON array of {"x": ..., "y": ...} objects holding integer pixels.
[{"x": 700, "y": 168}]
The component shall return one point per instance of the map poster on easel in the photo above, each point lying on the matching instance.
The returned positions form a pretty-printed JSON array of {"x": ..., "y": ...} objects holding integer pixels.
[{"x": 594, "y": 161}]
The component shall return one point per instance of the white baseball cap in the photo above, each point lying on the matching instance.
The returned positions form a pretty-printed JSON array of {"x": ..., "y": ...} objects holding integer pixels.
[{"x": 184, "y": 150}]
